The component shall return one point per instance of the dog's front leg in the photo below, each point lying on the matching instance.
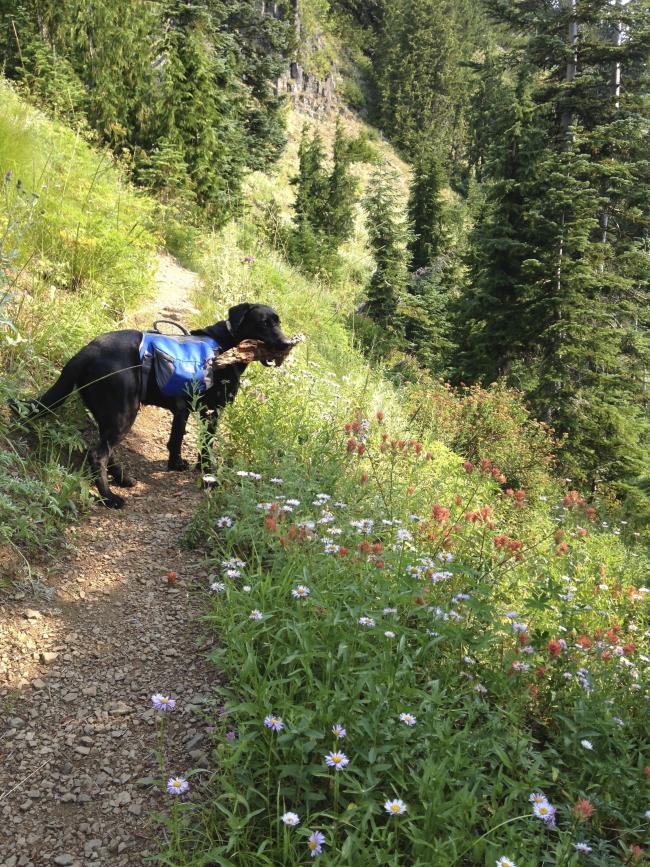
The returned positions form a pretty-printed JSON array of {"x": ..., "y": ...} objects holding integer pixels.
[{"x": 175, "y": 443}]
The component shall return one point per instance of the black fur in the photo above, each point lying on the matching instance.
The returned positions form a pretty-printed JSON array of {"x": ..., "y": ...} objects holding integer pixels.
[{"x": 108, "y": 374}]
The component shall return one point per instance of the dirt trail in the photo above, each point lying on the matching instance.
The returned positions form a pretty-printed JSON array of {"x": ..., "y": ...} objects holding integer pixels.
[{"x": 78, "y": 735}]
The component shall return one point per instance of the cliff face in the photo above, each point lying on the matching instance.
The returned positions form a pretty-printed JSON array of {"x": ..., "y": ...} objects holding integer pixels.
[{"x": 311, "y": 93}]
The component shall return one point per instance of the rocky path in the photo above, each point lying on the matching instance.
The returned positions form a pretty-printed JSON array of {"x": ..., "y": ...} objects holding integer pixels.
[{"x": 79, "y": 664}]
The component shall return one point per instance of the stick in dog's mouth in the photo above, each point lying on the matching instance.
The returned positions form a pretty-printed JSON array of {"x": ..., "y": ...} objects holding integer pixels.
[{"x": 255, "y": 350}]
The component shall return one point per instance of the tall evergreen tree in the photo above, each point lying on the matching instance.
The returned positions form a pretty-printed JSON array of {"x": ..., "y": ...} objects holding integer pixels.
[
  {"x": 339, "y": 215},
  {"x": 324, "y": 205},
  {"x": 389, "y": 235},
  {"x": 426, "y": 210}
]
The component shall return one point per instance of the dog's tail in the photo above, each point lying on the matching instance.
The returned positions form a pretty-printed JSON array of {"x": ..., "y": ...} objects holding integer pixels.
[{"x": 62, "y": 388}]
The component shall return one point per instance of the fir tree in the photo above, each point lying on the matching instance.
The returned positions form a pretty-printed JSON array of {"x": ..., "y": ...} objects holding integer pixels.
[
  {"x": 324, "y": 205},
  {"x": 426, "y": 211},
  {"x": 388, "y": 235},
  {"x": 312, "y": 188},
  {"x": 339, "y": 215}
]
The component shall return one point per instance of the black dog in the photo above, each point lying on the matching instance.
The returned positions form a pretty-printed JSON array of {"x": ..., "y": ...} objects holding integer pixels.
[{"x": 108, "y": 374}]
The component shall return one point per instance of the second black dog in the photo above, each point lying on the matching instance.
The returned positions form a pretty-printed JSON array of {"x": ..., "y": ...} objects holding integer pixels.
[{"x": 108, "y": 374}]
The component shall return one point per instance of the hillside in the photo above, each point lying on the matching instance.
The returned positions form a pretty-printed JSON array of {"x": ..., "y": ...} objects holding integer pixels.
[{"x": 394, "y": 631}]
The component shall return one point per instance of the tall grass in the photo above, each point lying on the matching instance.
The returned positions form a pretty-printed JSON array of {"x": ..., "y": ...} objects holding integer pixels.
[
  {"x": 509, "y": 620},
  {"x": 76, "y": 251}
]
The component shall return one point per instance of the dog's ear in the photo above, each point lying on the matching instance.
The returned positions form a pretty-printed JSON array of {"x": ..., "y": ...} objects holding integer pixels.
[{"x": 237, "y": 314}]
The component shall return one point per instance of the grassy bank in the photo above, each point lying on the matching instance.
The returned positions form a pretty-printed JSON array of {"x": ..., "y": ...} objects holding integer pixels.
[
  {"x": 76, "y": 251},
  {"x": 363, "y": 571}
]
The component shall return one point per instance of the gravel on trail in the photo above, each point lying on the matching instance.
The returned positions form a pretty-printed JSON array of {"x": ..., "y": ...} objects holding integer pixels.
[{"x": 79, "y": 747}]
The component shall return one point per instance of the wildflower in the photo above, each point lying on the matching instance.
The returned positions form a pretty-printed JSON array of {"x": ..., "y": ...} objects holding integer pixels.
[
  {"x": 583, "y": 809},
  {"x": 408, "y": 718},
  {"x": 587, "y": 744},
  {"x": 276, "y": 481},
  {"x": 582, "y": 847},
  {"x": 300, "y": 592},
  {"x": 225, "y": 521},
  {"x": 364, "y": 526},
  {"x": 367, "y": 621},
  {"x": 545, "y": 812},
  {"x": 404, "y": 535},
  {"x": 389, "y": 634},
  {"x": 505, "y": 862},
  {"x": 217, "y": 586},
  {"x": 230, "y": 736},
  {"x": 554, "y": 647},
  {"x": 274, "y": 722},
  {"x": 647, "y": 814},
  {"x": 163, "y": 702},
  {"x": 338, "y": 731},
  {"x": 519, "y": 666},
  {"x": 336, "y": 760},
  {"x": 255, "y": 614},
  {"x": 315, "y": 843},
  {"x": 396, "y": 807},
  {"x": 177, "y": 785},
  {"x": 538, "y": 798},
  {"x": 233, "y": 573},
  {"x": 390, "y": 611},
  {"x": 290, "y": 819},
  {"x": 480, "y": 689}
]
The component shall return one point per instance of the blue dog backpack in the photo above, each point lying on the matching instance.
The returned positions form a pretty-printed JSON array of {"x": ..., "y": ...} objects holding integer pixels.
[{"x": 182, "y": 365}]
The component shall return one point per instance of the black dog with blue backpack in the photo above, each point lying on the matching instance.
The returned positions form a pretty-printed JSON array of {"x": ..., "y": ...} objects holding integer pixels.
[{"x": 117, "y": 372}]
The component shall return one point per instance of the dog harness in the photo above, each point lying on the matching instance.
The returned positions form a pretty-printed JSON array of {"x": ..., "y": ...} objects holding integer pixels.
[{"x": 182, "y": 365}]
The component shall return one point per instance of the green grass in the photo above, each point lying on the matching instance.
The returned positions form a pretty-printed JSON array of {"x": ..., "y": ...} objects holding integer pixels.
[
  {"x": 76, "y": 251},
  {"x": 469, "y": 765}
]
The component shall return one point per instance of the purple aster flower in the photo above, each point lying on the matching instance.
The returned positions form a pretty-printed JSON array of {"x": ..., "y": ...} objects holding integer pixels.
[
  {"x": 585, "y": 848},
  {"x": 338, "y": 731},
  {"x": 274, "y": 722},
  {"x": 163, "y": 702},
  {"x": 177, "y": 785},
  {"x": 336, "y": 760},
  {"x": 315, "y": 843},
  {"x": 545, "y": 812}
]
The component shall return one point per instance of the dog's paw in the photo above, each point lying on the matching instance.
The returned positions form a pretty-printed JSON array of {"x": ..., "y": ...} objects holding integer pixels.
[
  {"x": 113, "y": 501},
  {"x": 177, "y": 464}
]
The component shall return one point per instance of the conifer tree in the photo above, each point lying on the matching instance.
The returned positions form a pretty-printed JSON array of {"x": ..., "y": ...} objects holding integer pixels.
[
  {"x": 339, "y": 215},
  {"x": 388, "y": 235},
  {"x": 324, "y": 205},
  {"x": 312, "y": 187},
  {"x": 426, "y": 210}
]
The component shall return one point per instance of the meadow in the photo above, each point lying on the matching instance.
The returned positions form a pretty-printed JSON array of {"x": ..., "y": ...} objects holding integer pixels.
[{"x": 425, "y": 662}]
